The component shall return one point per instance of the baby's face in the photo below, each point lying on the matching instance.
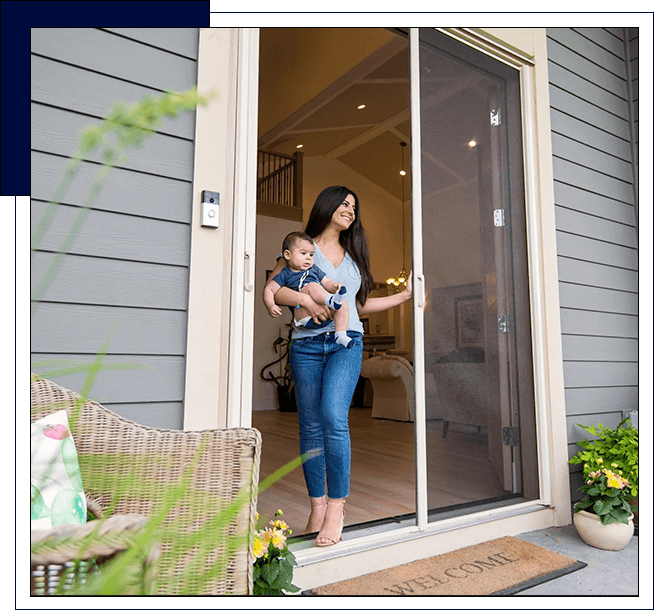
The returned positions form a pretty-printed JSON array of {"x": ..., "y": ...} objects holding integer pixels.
[{"x": 300, "y": 256}]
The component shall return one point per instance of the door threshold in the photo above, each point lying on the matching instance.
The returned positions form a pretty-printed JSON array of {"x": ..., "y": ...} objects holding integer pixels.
[
  {"x": 394, "y": 531},
  {"x": 434, "y": 514}
]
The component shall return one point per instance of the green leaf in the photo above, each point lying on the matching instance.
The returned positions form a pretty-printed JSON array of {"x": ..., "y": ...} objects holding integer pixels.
[
  {"x": 593, "y": 491},
  {"x": 601, "y": 508},
  {"x": 607, "y": 519},
  {"x": 583, "y": 505},
  {"x": 269, "y": 572},
  {"x": 291, "y": 589}
]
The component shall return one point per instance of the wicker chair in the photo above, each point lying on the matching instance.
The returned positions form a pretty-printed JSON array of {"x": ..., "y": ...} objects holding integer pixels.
[
  {"x": 67, "y": 556},
  {"x": 132, "y": 469}
]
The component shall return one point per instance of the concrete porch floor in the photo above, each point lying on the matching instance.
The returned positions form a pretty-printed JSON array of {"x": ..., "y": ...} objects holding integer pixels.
[{"x": 608, "y": 573}]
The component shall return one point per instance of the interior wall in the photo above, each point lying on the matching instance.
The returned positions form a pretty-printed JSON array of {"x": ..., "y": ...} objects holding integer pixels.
[
  {"x": 270, "y": 234},
  {"x": 380, "y": 211}
]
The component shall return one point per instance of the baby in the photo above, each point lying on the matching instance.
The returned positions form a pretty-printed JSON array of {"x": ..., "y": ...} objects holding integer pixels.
[{"x": 302, "y": 275}]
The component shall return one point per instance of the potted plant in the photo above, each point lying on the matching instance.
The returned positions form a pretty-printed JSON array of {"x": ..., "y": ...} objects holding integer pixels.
[
  {"x": 604, "y": 517},
  {"x": 284, "y": 382},
  {"x": 273, "y": 560},
  {"x": 612, "y": 446}
]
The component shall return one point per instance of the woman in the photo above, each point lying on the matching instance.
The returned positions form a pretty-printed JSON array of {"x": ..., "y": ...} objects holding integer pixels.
[{"x": 325, "y": 373}]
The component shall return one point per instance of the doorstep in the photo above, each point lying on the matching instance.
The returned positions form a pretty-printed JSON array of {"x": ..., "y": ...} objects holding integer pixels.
[{"x": 365, "y": 551}]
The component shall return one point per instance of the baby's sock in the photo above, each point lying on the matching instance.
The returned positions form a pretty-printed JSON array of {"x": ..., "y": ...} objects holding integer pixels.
[
  {"x": 343, "y": 339},
  {"x": 335, "y": 301}
]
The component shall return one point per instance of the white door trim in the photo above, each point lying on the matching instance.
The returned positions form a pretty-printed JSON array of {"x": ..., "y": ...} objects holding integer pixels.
[
  {"x": 239, "y": 383},
  {"x": 418, "y": 283}
]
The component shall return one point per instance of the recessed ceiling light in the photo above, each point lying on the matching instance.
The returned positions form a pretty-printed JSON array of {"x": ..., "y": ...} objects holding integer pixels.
[
  {"x": 402, "y": 172},
  {"x": 299, "y": 146},
  {"x": 361, "y": 107},
  {"x": 472, "y": 143}
]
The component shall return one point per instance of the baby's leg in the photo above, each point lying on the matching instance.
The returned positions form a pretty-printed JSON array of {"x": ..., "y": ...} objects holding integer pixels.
[
  {"x": 341, "y": 320},
  {"x": 318, "y": 293},
  {"x": 320, "y": 296}
]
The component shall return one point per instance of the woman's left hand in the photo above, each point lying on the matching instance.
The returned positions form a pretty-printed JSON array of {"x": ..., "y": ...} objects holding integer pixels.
[{"x": 408, "y": 291}]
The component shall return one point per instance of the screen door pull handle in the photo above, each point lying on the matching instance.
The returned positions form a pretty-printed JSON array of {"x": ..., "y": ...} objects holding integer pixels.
[
  {"x": 248, "y": 284},
  {"x": 420, "y": 290}
]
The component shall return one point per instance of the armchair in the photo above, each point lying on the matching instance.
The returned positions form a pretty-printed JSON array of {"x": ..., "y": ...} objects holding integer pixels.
[{"x": 132, "y": 469}]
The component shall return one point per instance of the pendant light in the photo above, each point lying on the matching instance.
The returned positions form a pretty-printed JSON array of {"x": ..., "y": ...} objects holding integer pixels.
[{"x": 399, "y": 282}]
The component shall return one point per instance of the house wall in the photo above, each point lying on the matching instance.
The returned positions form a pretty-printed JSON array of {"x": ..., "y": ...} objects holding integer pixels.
[
  {"x": 128, "y": 265},
  {"x": 596, "y": 226}
]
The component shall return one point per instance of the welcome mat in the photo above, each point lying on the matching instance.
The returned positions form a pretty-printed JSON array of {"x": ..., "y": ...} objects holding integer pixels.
[{"x": 499, "y": 567}]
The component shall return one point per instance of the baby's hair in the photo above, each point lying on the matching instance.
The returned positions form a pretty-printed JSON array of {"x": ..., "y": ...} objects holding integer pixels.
[{"x": 292, "y": 238}]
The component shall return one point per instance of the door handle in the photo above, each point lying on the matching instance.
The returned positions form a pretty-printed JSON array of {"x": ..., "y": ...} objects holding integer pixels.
[
  {"x": 420, "y": 290},
  {"x": 247, "y": 274}
]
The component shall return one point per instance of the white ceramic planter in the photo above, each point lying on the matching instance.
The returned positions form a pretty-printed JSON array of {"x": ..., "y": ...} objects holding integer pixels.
[{"x": 613, "y": 537}]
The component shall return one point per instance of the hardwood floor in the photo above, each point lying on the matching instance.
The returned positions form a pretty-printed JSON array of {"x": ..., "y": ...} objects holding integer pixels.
[{"x": 383, "y": 473}]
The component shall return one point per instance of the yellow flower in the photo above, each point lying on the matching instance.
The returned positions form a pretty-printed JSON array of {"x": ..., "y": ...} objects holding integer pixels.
[
  {"x": 279, "y": 540},
  {"x": 266, "y": 535},
  {"x": 260, "y": 548},
  {"x": 600, "y": 461},
  {"x": 614, "y": 480},
  {"x": 279, "y": 524},
  {"x": 614, "y": 465},
  {"x": 615, "y": 483},
  {"x": 279, "y": 513}
]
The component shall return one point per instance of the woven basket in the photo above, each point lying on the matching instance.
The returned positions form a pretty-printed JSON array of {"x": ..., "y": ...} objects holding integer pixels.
[{"x": 134, "y": 469}]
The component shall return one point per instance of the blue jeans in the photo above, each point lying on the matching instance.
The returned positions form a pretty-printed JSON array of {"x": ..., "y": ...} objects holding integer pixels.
[{"x": 326, "y": 375}]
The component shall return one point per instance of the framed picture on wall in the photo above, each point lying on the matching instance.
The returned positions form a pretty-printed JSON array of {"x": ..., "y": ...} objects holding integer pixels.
[{"x": 469, "y": 321}]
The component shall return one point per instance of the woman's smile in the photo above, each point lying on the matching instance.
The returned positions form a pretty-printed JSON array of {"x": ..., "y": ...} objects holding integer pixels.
[{"x": 346, "y": 213}]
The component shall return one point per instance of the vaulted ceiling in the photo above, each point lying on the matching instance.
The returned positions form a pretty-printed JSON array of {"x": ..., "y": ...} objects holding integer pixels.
[
  {"x": 314, "y": 80},
  {"x": 330, "y": 123}
]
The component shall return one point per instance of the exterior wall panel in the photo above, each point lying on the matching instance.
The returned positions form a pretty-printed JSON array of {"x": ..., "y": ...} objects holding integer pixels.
[
  {"x": 125, "y": 275},
  {"x": 596, "y": 226}
]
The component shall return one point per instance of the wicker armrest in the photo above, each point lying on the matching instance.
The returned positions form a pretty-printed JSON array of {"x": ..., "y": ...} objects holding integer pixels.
[{"x": 66, "y": 555}]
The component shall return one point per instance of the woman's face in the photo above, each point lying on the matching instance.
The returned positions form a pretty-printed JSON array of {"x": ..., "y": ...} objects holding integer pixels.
[{"x": 345, "y": 214}]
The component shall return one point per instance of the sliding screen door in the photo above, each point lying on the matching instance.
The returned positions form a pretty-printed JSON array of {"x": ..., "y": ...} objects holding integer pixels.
[{"x": 470, "y": 241}]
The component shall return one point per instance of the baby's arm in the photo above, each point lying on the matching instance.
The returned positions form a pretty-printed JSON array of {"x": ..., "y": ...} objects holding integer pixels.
[{"x": 269, "y": 299}]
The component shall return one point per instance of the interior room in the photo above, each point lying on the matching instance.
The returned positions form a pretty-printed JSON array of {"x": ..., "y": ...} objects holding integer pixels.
[{"x": 334, "y": 109}]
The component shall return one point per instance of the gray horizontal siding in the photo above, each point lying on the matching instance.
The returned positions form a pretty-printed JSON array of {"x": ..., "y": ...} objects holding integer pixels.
[
  {"x": 127, "y": 192},
  {"x": 124, "y": 278},
  {"x": 71, "y": 329},
  {"x": 632, "y": 90},
  {"x": 596, "y": 226},
  {"x": 150, "y": 395}
]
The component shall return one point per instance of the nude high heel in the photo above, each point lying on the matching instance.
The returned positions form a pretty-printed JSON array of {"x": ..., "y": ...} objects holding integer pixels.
[
  {"x": 318, "y": 508},
  {"x": 332, "y": 526}
]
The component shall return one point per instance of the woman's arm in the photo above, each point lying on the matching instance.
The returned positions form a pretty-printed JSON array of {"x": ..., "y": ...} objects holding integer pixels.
[{"x": 378, "y": 304}]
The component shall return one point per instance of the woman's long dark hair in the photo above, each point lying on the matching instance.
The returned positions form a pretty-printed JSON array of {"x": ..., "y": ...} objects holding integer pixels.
[{"x": 353, "y": 240}]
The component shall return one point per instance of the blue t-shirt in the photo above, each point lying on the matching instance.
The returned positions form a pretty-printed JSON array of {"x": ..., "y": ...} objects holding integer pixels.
[
  {"x": 298, "y": 279},
  {"x": 347, "y": 273}
]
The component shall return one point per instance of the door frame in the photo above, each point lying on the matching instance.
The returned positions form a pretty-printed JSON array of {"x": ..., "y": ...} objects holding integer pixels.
[
  {"x": 526, "y": 50},
  {"x": 220, "y": 331}
]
